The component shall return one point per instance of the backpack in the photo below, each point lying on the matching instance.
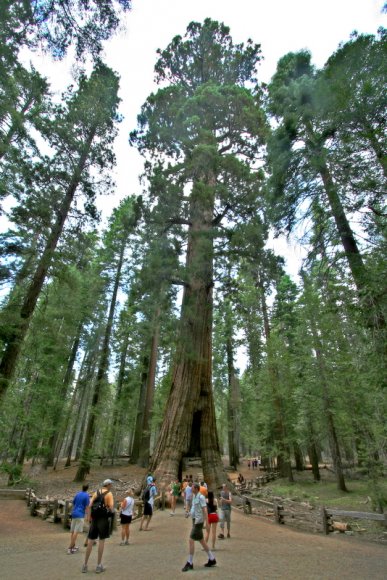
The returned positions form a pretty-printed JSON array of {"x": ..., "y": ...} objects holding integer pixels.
[
  {"x": 146, "y": 495},
  {"x": 99, "y": 509}
]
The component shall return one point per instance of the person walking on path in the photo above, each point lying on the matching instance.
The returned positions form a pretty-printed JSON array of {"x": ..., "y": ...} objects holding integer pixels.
[
  {"x": 188, "y": 495},
  {"x": 126, "y": 515},
  {"x": 80, "y": 509},
  {"x": 225, "y": 511},
  {"x": 174, "y": 488},
  {"x": 148, "y": 498},
  {"x": 213, "y": 518},
  {"x": 199, "y": 519},
  {"x": 101, "y": 511}
]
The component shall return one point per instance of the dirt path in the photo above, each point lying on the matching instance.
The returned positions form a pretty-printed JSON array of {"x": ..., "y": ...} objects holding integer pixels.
[{"x": 36, "y": 550}]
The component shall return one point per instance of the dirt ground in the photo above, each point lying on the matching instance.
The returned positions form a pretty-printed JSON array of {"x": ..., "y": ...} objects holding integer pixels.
[{"x": 33, "y": 549}]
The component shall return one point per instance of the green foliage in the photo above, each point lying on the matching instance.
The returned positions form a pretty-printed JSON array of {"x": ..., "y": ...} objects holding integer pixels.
[{"x": 57, "y": 24}]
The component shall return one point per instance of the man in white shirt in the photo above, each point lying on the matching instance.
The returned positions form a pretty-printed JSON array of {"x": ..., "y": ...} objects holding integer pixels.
[{"x": 199, "y": 519}]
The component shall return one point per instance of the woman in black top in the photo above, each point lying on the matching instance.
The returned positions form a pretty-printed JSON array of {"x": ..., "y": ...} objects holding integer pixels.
[{"x": 213, "y": 518}]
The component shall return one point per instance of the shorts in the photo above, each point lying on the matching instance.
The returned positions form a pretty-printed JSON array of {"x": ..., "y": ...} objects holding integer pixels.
[
  {"x": 213, "y": 518},
  {"x": 197, "y": 532},
  {"x": 125, "y": 519},
  {"x": 225, "y": 516},
  {"x": 148, "y": 509},
  {"x": 77, "y": 525},
  {"x": 99, "y": 528}
]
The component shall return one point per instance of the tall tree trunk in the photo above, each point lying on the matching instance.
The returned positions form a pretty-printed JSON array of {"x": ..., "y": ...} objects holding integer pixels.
[
  {"x": 144, "y": 455},
  {"x": 298, "y": 457},
  {"x": 189, "y": 424},
  {"x": 283, "y": 456},
  {"x": 58, "y": 411},
  {"x": 135, "y": 451},
  {"x": 328, "y": 412},
  {"x": 117, "y": 412},
  {"x": 86, "y": 456},
  {"x": 233, "y": 405},
  {"x": 17, "y": 336}
]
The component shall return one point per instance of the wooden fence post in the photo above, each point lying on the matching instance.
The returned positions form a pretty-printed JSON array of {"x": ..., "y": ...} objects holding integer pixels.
[
  {"x": 33, "y": 507},
  {"x": 277, "y": 514},
  {"x": 55, "y": 511},
  {"x": 247, "y": 506},
  {"x": 324, "y": 518},
  {"x": 66, "y": 513}
]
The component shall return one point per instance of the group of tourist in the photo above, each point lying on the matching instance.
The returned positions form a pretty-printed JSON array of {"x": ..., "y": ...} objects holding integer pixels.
[{"x": 200, "y": 504}]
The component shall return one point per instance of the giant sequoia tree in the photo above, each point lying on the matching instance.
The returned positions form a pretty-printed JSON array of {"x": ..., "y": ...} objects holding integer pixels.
[{"x": 207, "y": 124}]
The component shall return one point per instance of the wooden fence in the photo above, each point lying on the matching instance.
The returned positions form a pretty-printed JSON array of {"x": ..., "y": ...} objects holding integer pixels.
[
  {"x": 304, "y": 516},
  {"x": 59, "y": 511},
  {"x": 285, "y": 512}
]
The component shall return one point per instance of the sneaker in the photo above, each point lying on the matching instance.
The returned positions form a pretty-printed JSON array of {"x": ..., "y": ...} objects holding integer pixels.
[
  {"x": 126, "y": 543},
  {"x": 84, "y": 568},
  {"x": 210, "y": 563},
  {"x": 70, "y": 551},
  {"x": 99, "y": 569},
  {"x": 75, "y": 549},
  {"x": 187, "y": 514},
  {"x": 122, "y": 543},
  {"x": 187, "y": 567},
  {"x": 228, "y": 535},
  {"x": 221, "y": 536}
]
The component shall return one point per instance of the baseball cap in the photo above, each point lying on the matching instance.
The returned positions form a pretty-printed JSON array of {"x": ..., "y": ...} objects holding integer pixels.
[{"x": 107, "y": 482}]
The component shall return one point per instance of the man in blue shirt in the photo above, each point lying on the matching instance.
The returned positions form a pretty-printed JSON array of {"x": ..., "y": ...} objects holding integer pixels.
[
  {"x": 199, "y": 517},
  {"x": 80, "y": 507}
]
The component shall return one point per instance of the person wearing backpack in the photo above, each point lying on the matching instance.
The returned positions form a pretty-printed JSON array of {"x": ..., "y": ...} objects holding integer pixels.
[
  {"x": 101, "y": 510},
  {"x": 147, "y": 497}
]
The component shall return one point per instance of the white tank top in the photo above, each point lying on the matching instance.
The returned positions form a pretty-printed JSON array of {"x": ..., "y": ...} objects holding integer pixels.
[{"x": 128, "y": 510}]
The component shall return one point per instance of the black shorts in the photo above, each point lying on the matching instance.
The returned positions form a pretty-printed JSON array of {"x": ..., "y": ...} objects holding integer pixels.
[
  {"x": 125, "y": 519},
  {"x": 148, "y": 510},
  {"x": 197, "y": 532},
  {"x": 99, "y": 528}
]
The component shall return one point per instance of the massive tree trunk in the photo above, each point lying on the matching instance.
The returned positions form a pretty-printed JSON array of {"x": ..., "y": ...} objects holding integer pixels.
[{"x": 189, "y": 425}]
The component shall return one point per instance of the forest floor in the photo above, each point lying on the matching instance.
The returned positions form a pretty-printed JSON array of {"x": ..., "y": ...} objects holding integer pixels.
[{"x": 33, "y": 549}]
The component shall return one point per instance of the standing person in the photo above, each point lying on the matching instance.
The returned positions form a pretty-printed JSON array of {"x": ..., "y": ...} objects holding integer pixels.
[
  {"x": 80, "y": 509},
  {"x": 188, "y": 495},
  {"x": 101, "y": 510},
  {"x": 203, "y": 488},
  {"x": 213, "y": 518},
  {"x": 175, "y": 492},
  {"x": 199, "y": 518},
  {"x": 126, "y": 515},
  {"x": 148, "y": 498},
  {"x": 225, "y": 510}
]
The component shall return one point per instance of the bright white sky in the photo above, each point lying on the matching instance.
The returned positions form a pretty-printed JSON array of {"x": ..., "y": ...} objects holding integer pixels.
[{"x": 280, "y": 26}]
